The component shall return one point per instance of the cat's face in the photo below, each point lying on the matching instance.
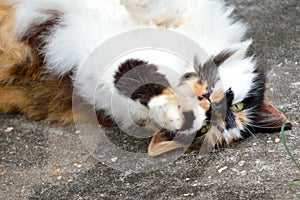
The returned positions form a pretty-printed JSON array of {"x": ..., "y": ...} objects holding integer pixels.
[
  {"x": 219, "y": 101},
  {"x": 228, "y": 116}
]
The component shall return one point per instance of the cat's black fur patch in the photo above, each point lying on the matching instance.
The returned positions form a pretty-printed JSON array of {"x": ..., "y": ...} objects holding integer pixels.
[
  {"x": 254, "y": 99},
  {"x": 189, "y": 118},
  {"x": 36, "y": 35},
  {"x": 230, "y": 118},
  {"x": 139, "y": 80},
  {"x": 223, "y": 107}
]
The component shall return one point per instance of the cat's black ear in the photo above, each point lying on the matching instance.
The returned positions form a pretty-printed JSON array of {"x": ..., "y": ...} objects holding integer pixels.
[{"x": 270, "y": 119}]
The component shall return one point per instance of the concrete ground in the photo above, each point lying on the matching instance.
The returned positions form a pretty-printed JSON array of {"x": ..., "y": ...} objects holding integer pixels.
[{"x": 39, "y": 160}]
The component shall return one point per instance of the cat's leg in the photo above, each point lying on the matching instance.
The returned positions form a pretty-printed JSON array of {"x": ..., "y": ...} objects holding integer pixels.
[
  {"x": 47, "y": 98},
  {"x": 35, "y": 104},
  {"x": 11, "y": 99}
]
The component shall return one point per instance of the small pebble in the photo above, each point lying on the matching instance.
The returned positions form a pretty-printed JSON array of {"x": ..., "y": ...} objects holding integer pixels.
[
  {"x": 243, "y": 173},
  {"x": 241, "y": 163},
  {"x": 114, "y": 159},
  {"x": 188, "y": 194},
  {"x": 187, "y": 179},
  {"x": 9, "y": 129},
  {"x": 277, "y": 140},
  {"x": 77, "y": 165},
  {"x": 296, "y": 84},
  {"x": 286, "y": 60},
  {"x": 222, "y": 169}
]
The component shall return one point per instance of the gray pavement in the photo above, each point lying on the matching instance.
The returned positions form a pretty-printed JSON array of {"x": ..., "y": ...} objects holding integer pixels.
[{"x": 39, "y": 160}]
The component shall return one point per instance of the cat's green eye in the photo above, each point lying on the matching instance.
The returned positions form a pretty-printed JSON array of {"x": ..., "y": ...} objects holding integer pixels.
[
  {"x": 237, "y": 107},
  {"x": 205, "y": 129}
]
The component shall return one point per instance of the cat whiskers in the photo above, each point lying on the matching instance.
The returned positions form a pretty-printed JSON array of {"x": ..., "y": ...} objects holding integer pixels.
[
  {"x": 249, "y": 131},
  {"x": 132, "y": 79}
]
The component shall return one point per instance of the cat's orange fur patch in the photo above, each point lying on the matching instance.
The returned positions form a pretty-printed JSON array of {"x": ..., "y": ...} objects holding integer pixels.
[
  {"x": 168, "y": 91},
  {"x": 205, "y": 104},
  {"x": 217, "y": 96},
  {"x": 10, "y": 99},
  {"x": 24, "y": 85},
  {"x": 241, "y": 117}
]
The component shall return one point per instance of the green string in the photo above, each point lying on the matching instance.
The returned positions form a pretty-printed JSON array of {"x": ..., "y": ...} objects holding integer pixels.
[
  {"x": 286, "y": 146},
  {"x": 296, "y": 182}
]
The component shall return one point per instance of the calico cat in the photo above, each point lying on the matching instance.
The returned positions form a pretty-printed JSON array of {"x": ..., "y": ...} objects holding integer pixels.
[{"x": 44, "y": 44}]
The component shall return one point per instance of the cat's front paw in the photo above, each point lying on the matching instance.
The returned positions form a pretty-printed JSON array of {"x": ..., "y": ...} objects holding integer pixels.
[{"x": 165, "y": 111}]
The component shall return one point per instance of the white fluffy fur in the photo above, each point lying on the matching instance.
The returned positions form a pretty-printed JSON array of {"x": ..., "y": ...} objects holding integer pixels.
[
  {"x": 88, "y": 23},
  {"x": 166, "y": 12},
  {"x": 106, "y": 97}
]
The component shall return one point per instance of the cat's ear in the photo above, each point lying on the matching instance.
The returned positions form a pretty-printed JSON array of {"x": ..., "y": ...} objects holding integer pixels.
[
  {"x": 209, "y": 70},
  {"x": 161, "y": 144},
  {"x": 220, "y": 58},
  {"x": 270, "y": 119},
  {"x": 215, "y": 61}
]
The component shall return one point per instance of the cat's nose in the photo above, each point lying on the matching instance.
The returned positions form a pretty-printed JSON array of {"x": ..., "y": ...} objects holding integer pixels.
[{"x": 205, "y": 95}]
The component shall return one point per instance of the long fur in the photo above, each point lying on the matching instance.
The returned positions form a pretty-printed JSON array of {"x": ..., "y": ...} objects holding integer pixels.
[
  {"x": 24, "y": 85},
  {"x": 91, "y": 22},
  {"x": 48, "y": 42}
]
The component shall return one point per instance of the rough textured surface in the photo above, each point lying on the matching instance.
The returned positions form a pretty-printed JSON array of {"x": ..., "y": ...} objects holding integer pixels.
[{"x": 47, "y": 161}]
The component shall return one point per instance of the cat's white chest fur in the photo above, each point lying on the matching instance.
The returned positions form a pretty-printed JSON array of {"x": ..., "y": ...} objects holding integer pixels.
[{"x": 86, "y": 24}]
